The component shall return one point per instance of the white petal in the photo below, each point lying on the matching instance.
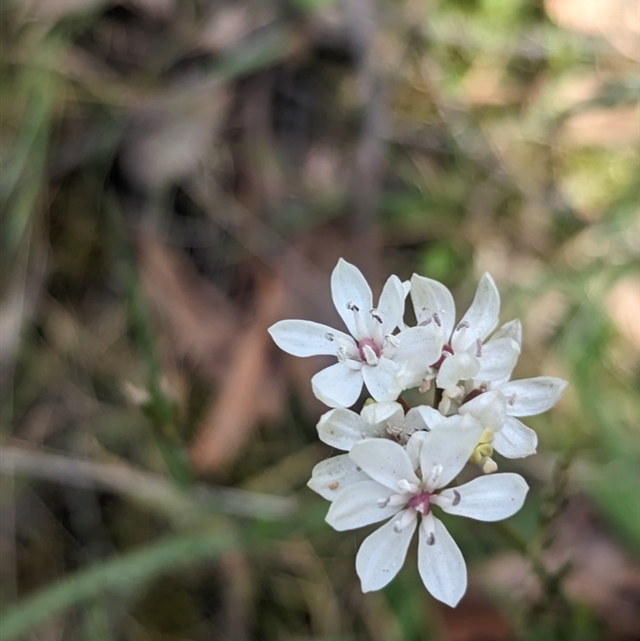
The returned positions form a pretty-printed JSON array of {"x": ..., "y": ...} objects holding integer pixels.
[
  {"x": 440, "y": 562},
  {"x": 515, "y": 440},
  {"x": 449, "y": 446},
  {"x": 382, "y": 554},
  {"x": 486, "y": 498},
  {"x": 480, "y": 319},
  {"x": 331, "y": 476},
  {"x": 357, "y": 505},
  {"x": 532, "y": 396},
  {"x": 341, "y": 428},
  {"x": 413, "y": 373},
  {"x": 489, "y": 409},
  {"x": 391, "y": 305},
  {"x": 384, "y": 461},
  {"x": 414, "y": 420},
  {"x": 414, "y": 447},
  {"x": 349, "y": 287},
  {"x": 429, "y": 415},
  {"x": 381, "y": 380},
  {"x": 457, "y": 367},
  {"x": 423, "y": 344},
  {"x": 379, "y": 414},
  {"x": 512, "y": 329},
  {"x": 497, "y": 359},
  {"x": 433, "y": 303},
  {"x": 306, "y": 338},
  {"x": 338, "y": 385}
]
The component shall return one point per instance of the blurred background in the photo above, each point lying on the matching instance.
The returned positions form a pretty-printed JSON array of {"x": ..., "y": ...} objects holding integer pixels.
[{"x": 177, "y": 176}]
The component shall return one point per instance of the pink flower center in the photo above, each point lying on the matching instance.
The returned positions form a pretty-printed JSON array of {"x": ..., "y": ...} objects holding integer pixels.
[
  {"x": 368, "y": 342},
  {"x": 421, "y": 502}
]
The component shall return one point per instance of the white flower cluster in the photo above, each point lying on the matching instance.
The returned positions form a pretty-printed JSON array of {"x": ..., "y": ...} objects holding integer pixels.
[{"x": 398, "y": 464}]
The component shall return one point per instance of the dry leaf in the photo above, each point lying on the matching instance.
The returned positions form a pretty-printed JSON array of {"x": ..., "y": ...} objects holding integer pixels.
[{"x": 236, "y": 411}]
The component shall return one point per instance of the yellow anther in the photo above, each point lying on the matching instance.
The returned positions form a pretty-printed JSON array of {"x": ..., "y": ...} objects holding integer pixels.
[{"x": 368, "y": 402}]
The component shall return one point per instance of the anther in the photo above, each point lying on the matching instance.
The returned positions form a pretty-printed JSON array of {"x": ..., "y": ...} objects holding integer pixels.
[
  {"x": 424, "y": 323},
  {"x": 478, "y": 348},
  {"x": 462, "y": 325},
  {"x": 329, "y": 336},
  {"x": 353, "y": 307},
  {"x": 377, "y": 316},
  {"x": 431, "y": 539},
  {"x": 436, "y": 318},
  {"x": 456, "y": 497},
  {"x": 383, "y": 502},
  {"x": 512, "y": 399}
]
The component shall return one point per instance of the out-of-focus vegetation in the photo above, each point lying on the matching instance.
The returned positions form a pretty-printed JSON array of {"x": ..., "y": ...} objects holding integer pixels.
[{"x": 176, "y": 176}]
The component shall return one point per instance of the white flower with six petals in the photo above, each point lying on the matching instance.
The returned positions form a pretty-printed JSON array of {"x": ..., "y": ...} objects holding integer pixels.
[
  {"x": 373, "y": 354},
  {"x": 465, "y": 354},
  {"x": 406, "y": 482}
]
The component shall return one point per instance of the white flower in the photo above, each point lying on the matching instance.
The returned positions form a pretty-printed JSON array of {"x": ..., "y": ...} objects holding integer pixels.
[
  {"x": 372, "y": 354},
  {"x": 404, "y": 483},
  {"x": 341, "y": 428},
  {"x": 497, "y": 409},
  {"x": 465, "y": 355}
]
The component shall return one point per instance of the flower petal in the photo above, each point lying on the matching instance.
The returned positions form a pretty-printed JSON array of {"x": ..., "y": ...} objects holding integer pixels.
[
  {"x": 381, "y": 380},
  {"x": 515, "y": 439},
  {"x": 382, "y": 554},
  {"x": 532, "y": 396},
  {"x": 433, "y": 303},
  {"x": 489, "y": 409},
  {"x": 480, "y": 319},
  {"x": 414, "y": 420},
  {"x": 378, "y": 415},
  {"x": 422, "y": 344},
  {"x": 512, "y": 329},
  {"x": 391, "y": 305},
  {"x": 349, "y": 287},
  {"x": 447, "y": 448},
  {"x": 331, "y": 476},
  {"x": 337, "y": 385},
  {"x": 357, "y": 505},
  {"x": 497, "y": 359},
  {"x": 384, "y": 461},
  {"x": 341, "y": 428},
  {"x": 457, "y": 367},
  {"x": 429, "y": 415},
  {"x": 487, "y": 498},
  {"x": 440, "y": 562},
  {"x": 306, "y": 338},
  {"x": 414, "y": 447}
]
